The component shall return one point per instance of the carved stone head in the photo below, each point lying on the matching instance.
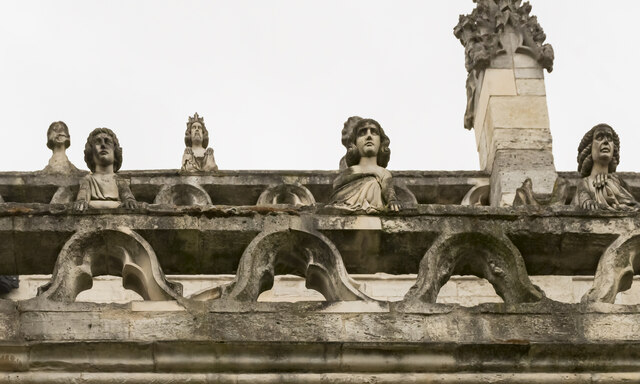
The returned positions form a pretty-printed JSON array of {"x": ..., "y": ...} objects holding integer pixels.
[
  {"x": 58, "y": 133},
  {"x": 358, "y": 144},
  {"x": 102, "y": 147},
  {"x": 599, "y": 143},
  {"x": 196, "y": 132}
]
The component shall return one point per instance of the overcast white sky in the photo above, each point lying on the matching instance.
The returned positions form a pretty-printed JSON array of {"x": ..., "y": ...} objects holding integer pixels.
[{"x": 276, "y": 79}]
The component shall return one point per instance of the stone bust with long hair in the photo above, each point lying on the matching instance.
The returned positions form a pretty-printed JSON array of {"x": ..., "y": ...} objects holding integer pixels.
[
  {"x": 365, "y": 184},
  {"x": 600, "y": 187},
  {"x": 103, "y": 188},
  {"x": 197, "y": 156},
  {"x": 58, "y": 140}
]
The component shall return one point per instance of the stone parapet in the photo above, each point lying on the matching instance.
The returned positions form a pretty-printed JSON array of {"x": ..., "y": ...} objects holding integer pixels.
[
  {"x": 240, "y": 187},
  {"x": 312, "y": 342},
  {"x": 211, "y": 239}
]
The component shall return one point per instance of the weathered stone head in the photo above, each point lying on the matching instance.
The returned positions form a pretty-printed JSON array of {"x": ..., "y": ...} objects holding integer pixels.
[
  {"x": 601, "y": 188},
  {"x": 366, "y": 138},
  {"x": 58, "y": 140},
  {"x": 103, "y": 148},
  {"x": 197, "y": 157},
  {"x": 364, "y": 184},
  {"x": 196, "y": 133},
  {"x": 347, "y": 129},
  {"x": 600, "y": 145},
  {"x": 58, "y": 135},
  {"x": 103, "y": 188}
]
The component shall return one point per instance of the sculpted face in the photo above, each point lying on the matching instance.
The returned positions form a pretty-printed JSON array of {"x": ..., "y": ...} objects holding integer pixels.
[
  {"x": 368, "y": 140},
  {"x": 196, "y": 133},
  {"x": 602, "y": 146},
  {"x": 103, "y": 149},
  {"x": 58, "y": 134}
]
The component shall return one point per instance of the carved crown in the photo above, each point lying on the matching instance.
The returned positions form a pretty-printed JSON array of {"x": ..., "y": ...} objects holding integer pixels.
[{"x": 195, "y": 119}]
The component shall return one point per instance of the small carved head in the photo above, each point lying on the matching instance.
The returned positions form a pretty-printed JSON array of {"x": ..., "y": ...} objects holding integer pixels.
[
  {"x": 196, "y": 130},
  {"x": 601, "y": 142},
  {"x": 58, "y": 133},
  {"x": 362, "y": 128},
  {"x": 102, "y": 146}
]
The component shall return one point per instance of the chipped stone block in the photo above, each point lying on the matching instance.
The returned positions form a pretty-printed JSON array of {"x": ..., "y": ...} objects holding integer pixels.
[
  {"x": 521, "y": 138},
  {"x": 512, "y": 167}
]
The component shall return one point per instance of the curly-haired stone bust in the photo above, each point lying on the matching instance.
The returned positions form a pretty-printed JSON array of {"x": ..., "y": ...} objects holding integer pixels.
[
  {"x": 197, "y": 157},
  {"x": 366, "y": 184},
  {"x": 103, "y": 188},
  {"x": 601, "y": 188}
]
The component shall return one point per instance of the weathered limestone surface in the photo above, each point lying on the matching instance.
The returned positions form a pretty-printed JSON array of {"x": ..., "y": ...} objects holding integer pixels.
[
  {"x": 557, "y": 240},
  {"x": 384, "y": 339},
  {"x": 467, "y": 290},
  {"x": 506, "y": 106},
  {"x": 309, "y": 342},
  {"x": 244, "y": 187}
]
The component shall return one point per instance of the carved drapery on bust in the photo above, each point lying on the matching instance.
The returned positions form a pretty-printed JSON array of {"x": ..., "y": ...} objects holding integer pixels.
[
  {"x": 497, "y": 27},
  {"x": 600, "y": 188},
  {"x": 197, "y": 156},
  {"x": 365, "y": 185},
  {"x": 103, "y": 188},
  {"x": 58, "y": 140}
]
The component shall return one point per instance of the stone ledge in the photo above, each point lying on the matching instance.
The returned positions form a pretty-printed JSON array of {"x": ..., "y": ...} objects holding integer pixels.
[
  {"x": 324, "y": 322},
  {"x": 320, "y": 378},
  {"x": 431, "y": 341},
  {"x": 210, "y": 240},
  {"x": 239, "y": 187}
]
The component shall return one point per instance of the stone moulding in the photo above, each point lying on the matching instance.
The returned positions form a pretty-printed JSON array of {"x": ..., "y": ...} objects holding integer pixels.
[
  {"x": 292, "y": 194},
  {"x": 182, "y": 194},
  {"x": 211, "y": 239},
  {"x": 478, "y": 194},
  {"x": 314, "y": 342},
  {"x": 616, "y": 268},
  {"x": 239, "y": 187},
  {"x": 302, "y": 252},
  {"x": 116, "y": 252},
  {"x": 483, "y": 254}
]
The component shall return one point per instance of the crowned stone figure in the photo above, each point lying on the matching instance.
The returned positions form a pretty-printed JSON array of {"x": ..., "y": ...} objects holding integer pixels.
[
  {"x": 366, "y": 184},
  {"x": 103, "y": 188},
  {"x": 600, "y": 187},
  {"x": 197, "y": 157}
]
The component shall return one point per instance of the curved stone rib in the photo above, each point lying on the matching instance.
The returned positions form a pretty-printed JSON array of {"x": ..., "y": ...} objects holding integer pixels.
[
  {"x": 182, "y": 194},
  {"x": 479, "y": 194},
  {"x": 294, "y": 194},
  {"x": 307, "y": 254},
  {"x": 485, "y": 255},
  {"x": 117, "y": 252},
  {"x": 616, "y": 268},
  {"x": 405, "y": 196}
]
